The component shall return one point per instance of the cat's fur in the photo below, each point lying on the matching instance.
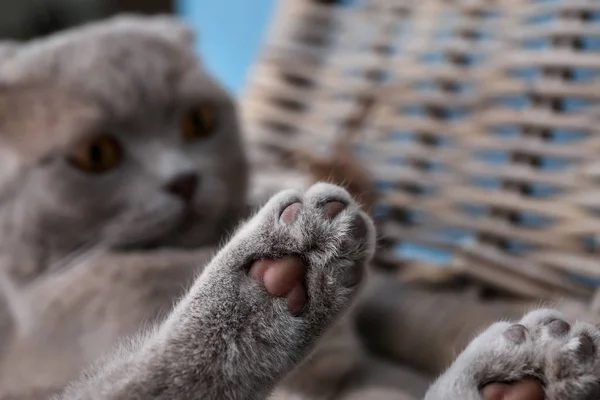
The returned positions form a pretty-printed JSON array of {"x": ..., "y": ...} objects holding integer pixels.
[
  {"x": 563, "y": 355},
  {"x": 227, "y": 337},
  {"x": 88, "y": 258}
]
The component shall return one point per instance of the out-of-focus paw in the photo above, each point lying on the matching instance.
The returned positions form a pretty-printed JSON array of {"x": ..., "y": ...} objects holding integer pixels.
[{"x": 544, "y": 344}]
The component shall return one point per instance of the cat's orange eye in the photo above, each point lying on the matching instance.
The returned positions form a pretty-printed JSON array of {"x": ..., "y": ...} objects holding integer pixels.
[
  {"x": 199, "y": 122},
  {"x": 96, "y": 155}
]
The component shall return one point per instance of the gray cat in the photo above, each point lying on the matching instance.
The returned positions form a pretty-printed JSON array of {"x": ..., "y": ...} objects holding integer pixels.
[{"x": 118, "y": 153}]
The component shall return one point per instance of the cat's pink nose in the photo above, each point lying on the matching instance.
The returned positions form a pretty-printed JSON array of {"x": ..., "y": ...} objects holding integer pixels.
[{"x": 183, "y": 186}]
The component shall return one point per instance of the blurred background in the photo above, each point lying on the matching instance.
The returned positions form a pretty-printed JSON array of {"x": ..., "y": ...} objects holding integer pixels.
[{"x": 469, "y": 127}]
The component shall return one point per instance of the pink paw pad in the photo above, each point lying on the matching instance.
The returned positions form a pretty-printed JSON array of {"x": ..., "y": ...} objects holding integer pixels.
[
  {"x": 516, "y": 333},
  {"x": 333, "y": 208},
  {"x": 290, "y": 213},
  {"x": 283, "y": 277},
  {"x": 558, "y": 327}
]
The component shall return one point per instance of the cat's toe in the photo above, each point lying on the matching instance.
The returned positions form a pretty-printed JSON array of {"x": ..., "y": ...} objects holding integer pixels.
[
  {"x": 291, "y": 212},
  {"x": 546, "y": 324},
  {"x": 347, "y": 234},
  {"x": 332, "y": 209},
  {"x": 349, "y": 226},
  {"x": 572, "y": 364},
  {"x": 321, "y": 192},
  {"x": 584, "y": 343},
  {"x": 516, "y": 333}
]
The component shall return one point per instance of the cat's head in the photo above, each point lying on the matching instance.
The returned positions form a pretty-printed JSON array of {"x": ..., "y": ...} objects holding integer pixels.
[{"x": 114, "y": 133}]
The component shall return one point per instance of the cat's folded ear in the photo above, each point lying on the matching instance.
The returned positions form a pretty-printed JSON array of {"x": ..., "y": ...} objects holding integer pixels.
[{"x": 165, "y": 26}]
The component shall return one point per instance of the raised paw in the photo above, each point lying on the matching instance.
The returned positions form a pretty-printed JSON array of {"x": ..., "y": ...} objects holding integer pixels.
[
  {"x": 310, "y": 248},
  {"x": 563, "y": 356},
  {"x": 259, "y": 306},
  {"x": 297, "y": 263}
]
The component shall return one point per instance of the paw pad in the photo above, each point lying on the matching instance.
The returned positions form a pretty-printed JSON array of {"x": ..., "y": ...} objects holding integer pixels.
[
  {"x": 333, "y": 208},
  {"x": 516, "y": 333},
  {"x": 558, "y": 327},
  {"x": 290, "y": 213},
  {"x": 282, "y": 277},
  {"x": 586, "y": 347}
]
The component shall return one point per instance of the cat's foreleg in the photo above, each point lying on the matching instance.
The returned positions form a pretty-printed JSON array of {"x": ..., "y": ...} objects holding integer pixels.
[{"x": 256, "y": 310}]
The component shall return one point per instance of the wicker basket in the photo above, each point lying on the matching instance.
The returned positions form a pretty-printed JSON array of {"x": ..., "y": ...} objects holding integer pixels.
[{"x": 484, "y": 139}]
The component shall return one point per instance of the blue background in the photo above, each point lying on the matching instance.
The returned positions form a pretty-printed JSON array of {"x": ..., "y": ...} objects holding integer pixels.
[{"x": 230, "y": 33}]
